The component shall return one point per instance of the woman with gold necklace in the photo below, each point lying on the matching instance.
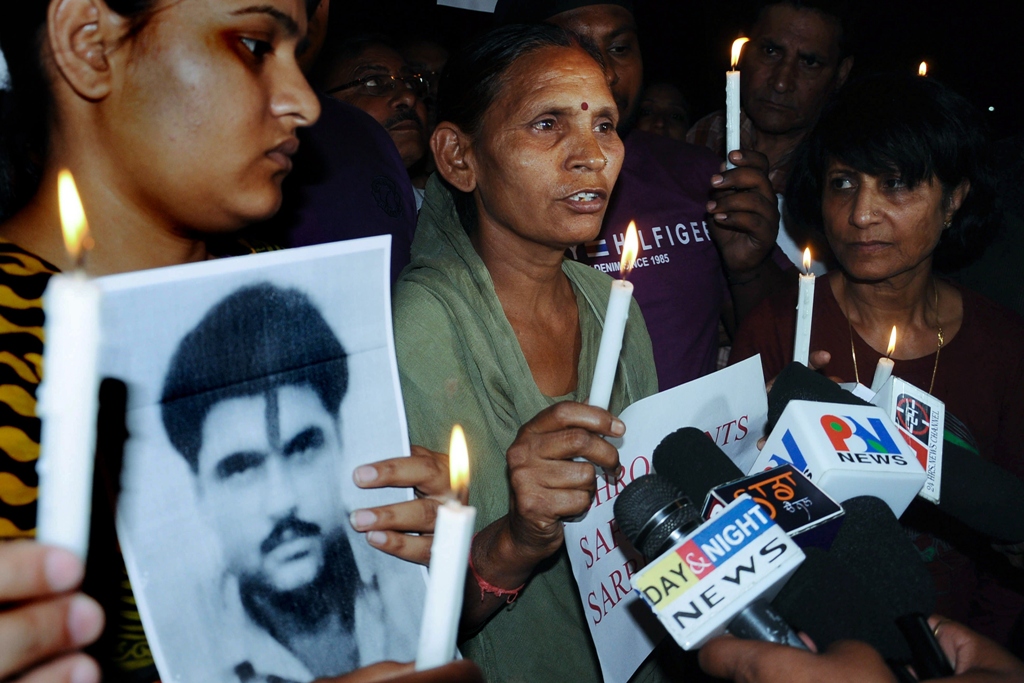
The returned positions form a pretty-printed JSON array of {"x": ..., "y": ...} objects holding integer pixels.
[{"x": 894, "y": 173}]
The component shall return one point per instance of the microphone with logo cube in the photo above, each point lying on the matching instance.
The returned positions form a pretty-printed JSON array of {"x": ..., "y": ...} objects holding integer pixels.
[{"x": 846, "y": 450}]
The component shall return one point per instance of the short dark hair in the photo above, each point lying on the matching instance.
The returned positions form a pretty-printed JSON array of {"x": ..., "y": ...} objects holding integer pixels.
[
  {"x": 474, "y": 78},
  {"x": 899, "y": 123},
  {"x": 257, "y": 339},
  {"x": 336, "y": 51},
  {"x": 843, "y": 12}
]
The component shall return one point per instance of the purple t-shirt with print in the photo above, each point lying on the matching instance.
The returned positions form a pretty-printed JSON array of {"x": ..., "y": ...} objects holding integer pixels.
[
  {"x": 348, "y": 182},
  {"x": 678, "y": 279}
]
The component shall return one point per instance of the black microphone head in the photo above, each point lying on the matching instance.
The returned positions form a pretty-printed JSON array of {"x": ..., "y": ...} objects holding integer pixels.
[
  {"x": 693, "y": 462},
  {"x": 650, "y": 510},
  {"x": 981, "y": 494},
  {"x": 874, "y": 547},
  {"x": 828, "y": 602},
  {"x": 797, "y": 382}
]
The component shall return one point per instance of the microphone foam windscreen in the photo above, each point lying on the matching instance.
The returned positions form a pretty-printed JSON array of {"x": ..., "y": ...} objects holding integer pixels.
[
  {"x": 828, "y": 602},
  {"x": 797, "y": 382},
  {"x": 640, "y": 501},
  {"x": 874, "y": 547},
  {"x": 692, "y": 461},
  {"x": 981, "y": 494}
]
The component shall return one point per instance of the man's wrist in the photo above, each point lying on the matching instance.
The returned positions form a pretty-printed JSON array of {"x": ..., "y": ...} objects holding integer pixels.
[{"x": 740, "y": 278}]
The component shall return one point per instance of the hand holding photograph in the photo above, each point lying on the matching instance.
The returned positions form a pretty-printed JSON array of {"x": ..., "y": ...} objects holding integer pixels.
[{"x": 255, "y": 386}]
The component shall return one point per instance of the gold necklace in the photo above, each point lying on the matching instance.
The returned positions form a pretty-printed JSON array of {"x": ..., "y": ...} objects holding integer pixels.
[{"x": 938, "y": 349}]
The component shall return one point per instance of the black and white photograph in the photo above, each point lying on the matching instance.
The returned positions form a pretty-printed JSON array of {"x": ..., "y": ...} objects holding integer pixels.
[{"x": 255, "y": 388}]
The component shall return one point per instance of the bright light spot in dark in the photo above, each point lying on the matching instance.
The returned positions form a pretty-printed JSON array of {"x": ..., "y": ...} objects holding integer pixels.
[{"x": 991, "y": 108}]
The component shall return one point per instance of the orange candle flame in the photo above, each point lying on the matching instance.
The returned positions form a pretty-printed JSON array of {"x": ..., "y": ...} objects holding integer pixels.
[
  {"x": 807, "y": 261},
  {"x": 737, "y": 47},
  {"x": 923, "y": 69},
  {"x": 630, "y": 249},
  {"x": 458, "y": 463},
  {"x": 72, "y": 217},
  {"x": 892, "y": 343}
]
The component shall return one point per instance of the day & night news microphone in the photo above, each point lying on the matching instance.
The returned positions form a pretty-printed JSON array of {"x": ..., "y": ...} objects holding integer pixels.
[{"x": 704, "y": 579}]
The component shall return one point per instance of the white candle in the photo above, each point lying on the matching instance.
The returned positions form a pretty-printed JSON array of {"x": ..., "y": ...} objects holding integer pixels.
[
  {"x": 732, "y": 103},
  {"x": 614, "y": 325},
  {"x": 69, "y": 392},
  {"x": 804, "y": 313},
  {"x": 449, "y": 559},
  {"x": 883, "y": 371}
]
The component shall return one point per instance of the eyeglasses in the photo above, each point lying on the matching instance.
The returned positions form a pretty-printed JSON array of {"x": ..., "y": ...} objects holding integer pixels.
[{"x": 383, "y": 85}]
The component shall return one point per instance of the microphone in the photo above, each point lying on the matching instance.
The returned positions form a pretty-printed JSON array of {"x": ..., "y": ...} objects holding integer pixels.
[
  {"x": 872, "y": 576},
  {"x": 828, "y": 601},
  {"x": 704, "y": 579},
  {"x": 654, "y": 515},
  {"x": 847, "y": 450},
  {"x": 797, "y": 382},
  {"x": 978, "y": 493},
  {"x": 694, "y": 463}
]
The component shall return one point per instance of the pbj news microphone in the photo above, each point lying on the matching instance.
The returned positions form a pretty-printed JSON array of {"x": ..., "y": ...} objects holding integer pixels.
[{"x": 978, "y": 493}]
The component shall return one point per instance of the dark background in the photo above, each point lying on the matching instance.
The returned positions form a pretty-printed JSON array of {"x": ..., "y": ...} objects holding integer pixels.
[{"x": 971, "y": 46}]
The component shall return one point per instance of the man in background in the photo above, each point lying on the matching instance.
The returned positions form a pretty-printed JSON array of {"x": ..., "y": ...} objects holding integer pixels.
[
  {"x": 371, "y": 75},
  {"x": 798, "y": 55}
]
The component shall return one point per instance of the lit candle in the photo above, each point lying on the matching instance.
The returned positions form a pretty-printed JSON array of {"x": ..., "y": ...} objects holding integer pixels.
[
  {"x": 449, "y": 558},
  {"x": 732, "y": 102},
  {"x": 923, "y": 69},
  {"x": 885, "y": 365},
  {"x": 69, "y": 392},
  {"x": 804, "y": 313},
  {"x": 614, "y": 324}
]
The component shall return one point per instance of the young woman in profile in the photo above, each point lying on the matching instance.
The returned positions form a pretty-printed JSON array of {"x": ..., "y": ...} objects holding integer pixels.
[{"x": 177, "y": 119}]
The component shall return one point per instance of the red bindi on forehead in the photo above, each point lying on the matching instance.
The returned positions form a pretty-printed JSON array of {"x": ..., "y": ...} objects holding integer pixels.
[{"x": 584, "y": 106}]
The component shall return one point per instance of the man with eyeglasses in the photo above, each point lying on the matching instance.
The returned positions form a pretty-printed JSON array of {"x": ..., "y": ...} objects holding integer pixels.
[{"x": 371, "y": 75}]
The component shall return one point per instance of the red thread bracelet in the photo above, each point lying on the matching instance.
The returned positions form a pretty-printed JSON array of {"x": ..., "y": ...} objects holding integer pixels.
[{"x": 486, "y": 587}]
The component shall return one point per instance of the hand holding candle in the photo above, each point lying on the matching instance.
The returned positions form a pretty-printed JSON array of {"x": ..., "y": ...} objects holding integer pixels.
[
  {"x": 614, "y": 325},
  {"x": 885, "y": 365},
  {"x": 804, "y": 313},
  {"x": 69, "y": 393},
  {"x": 732, "y": 102},
  {"x": 449, "y": 559}
]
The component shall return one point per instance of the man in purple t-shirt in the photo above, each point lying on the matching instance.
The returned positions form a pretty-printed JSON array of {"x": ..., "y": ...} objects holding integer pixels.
[{"x": 687, "y": 255}]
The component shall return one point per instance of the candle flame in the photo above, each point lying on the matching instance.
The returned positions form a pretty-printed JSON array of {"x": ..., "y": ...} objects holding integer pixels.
[
  {"x": 807, "y": 261},
  {"x": 923, "y": 69},
  {"x": 72, "y": 216},
  {"x": 892, "y": 343},
  {"x": 737, "y": 46},
  {"x": 458, "y": 463},
  {"x": 630, "y": 249}
]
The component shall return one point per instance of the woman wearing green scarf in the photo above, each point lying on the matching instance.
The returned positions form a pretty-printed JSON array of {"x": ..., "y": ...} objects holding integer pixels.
[{"x": 496, "y": 331}]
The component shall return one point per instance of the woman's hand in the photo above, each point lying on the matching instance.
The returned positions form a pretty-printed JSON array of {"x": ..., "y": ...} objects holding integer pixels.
[
  {"x": 745, "y": 213},
  {"x": 405, "y": 529},
  {"x": 42, "y": 623},
  {"x": 548, "y": 483}
]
